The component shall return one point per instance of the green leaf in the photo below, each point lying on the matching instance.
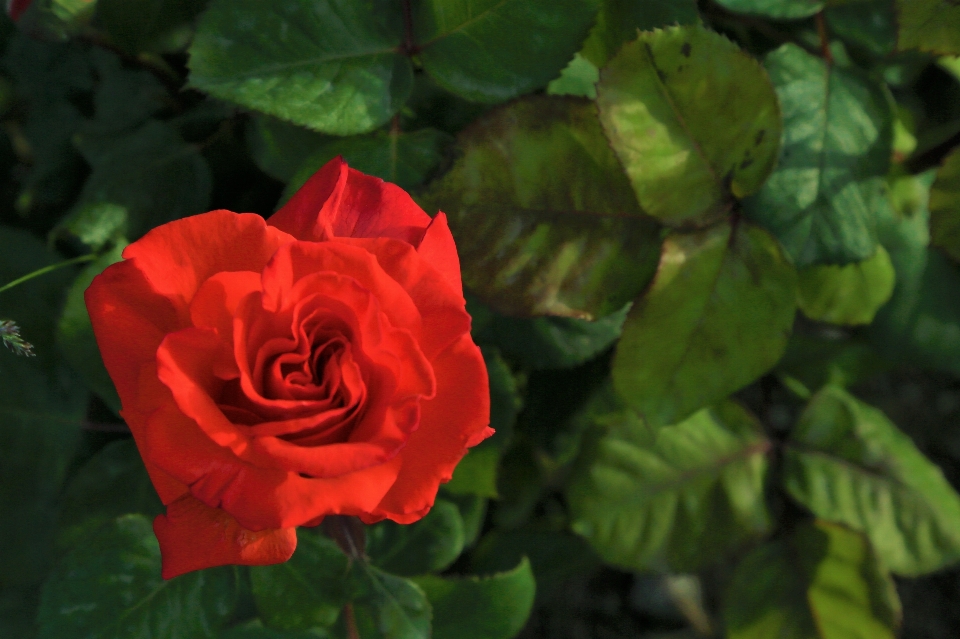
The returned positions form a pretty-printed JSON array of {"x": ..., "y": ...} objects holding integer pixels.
[
  {"x": 430, "y": 544},
  {"x": 495, "y": 607},
  {"x": 308, "y": 590},
  {"x": 552, "y": 342},
  {"x": 331, "y": 65},
  {"x": 849, "y": 294},
  {"x": 405, "y": 159},
  {"x": 494, "y": 50},
  {"x": 476, "y": 474},
  {"x": 146, "y": 25},
  {"x": 870, "y": 25},
  {"x": 111, "y": 483},
  {"x": 579, "y": 78},
  {"x": 921, "y": 322},
  {"x": 124, "y": 98},
  {"x": 848, "y": 463},
  {"x": 822, "y": 582},
  {"x": 554, "y": 557},
  {"x": 390, "y": 607},
  {"x": 75, "y": 333},
  {"x": 279, "y": 148},
  {"x": 779, "y": 9},
  {"x": 56, "y": 20},
  {"x": 824, "y": 199},
  {"x": 473, "y": 511},
  {"x": 688, "y": 342},
  {"x": 618, "y": 22},
  {"x": 818, "y": 360},
  {"x": 929, "y": 25},
  {"x": 151, "y": 173},
  {"x": 18, "y": 611},
  {"x": 41, "y": 410},
  {"x": 552, "y": 224},
  {"x": 256, "y": 630},
  {"x": 693, "y": 119},
  {"x": 677, "y": 499},
  {"x": 111, "y": 587},
  {"x": 45, "y": 75},
  {"x": 945, "y": 206}
]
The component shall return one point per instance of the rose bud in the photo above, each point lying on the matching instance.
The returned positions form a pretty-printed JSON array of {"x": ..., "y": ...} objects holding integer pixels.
[{"x": 273, "y": 372}]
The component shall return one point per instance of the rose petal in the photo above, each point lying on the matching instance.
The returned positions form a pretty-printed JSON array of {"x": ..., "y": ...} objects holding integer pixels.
[
  {"x": 439, "y": 250},
  {"x": 441, "y": 307},
  {"x": 193, "y": 536},
  {"x": 257, "y": 497},
  {"x": 343, "y": 202},
  {"x": 177, "y": 257},
  {"x": 457, "y": 417}
]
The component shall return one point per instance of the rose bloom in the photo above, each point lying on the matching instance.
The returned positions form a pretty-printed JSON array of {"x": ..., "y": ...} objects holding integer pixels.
[{"x": 276, "y": 371}]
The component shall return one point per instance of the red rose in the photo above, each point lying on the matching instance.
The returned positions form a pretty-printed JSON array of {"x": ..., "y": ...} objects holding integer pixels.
[
  {"x": 274, "y": 372},
  {"x": 15, "y": 8}
]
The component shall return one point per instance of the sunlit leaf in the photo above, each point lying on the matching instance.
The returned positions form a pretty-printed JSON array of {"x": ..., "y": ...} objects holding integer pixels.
[
  {"x": 848, "y": 463},
  {"x": 849, "y": 294},
  {"x": 693, "y": 119},
  {"x": 678, "y": 498},
  {"x": 552, "y": 224},
  {"x": 688, "y": 341},
  {"x": 821, "y": 582}
]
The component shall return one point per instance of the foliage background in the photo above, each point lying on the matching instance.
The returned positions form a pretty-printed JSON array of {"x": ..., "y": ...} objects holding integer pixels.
[{"x": 712, "y": 267}]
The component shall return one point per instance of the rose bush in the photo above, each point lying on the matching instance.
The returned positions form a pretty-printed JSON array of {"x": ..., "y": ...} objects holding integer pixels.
[{"x": 277, "y": 371}]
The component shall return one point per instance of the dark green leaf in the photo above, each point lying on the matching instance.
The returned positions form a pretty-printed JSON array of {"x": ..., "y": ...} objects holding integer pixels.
[
  {"x": 41, "y": 409},
  {"x": 848, "y": 463},
  {"x": 921, "y": 322},
  {"x": 552, "y": 342},
  {"x": 495, "y": 607},
  {"x": 113, "y": 482},
  {"x": 146, "y": 25},
  {"x": 780, "y": 9},
  {"x": 18, "y": 611},
  {"x": 308, "y": 590},
  {"x": 390, "y": 607},
  {"x": 822, "y": 582},
  {"x": 815, "y": 361},
  {"x": 824, "y": 199},
  {"x": 56, "y": 20},
  {"x": 554, "y": 556},
  {"x": 45, "y": 75},
  {"x": 256, "y": 630},
  {"x": 693, "y": 119},
  {"x": 151, "y": 173},
  {"x": 428, "y": 545},
  {"x": 553, "y": 226},
  {"x": 945, "y": 206},
  {"x": 279, "y": 148},
  {"x": 124, "y": 98},
  {"x": 677, "y": 499},
  {"x": 929, "y": 25},
  {"x": 494, "y": 50},
  {"x": 849, "y": 294},
  {"x": 618, "y": 22},
  {"x": 473, "y": 511},
  {"x": 110, "y": 588},
  {"x": 405, "y": 159},
  {"x": 75, "y": 333},
  {"x": 688, "y": 342},
  {"x": 331, "y": 65},
  {"x": 870, "y": 25}
]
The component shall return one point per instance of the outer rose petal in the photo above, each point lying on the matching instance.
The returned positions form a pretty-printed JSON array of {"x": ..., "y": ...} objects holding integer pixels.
[
  {"x": 456, "y": 418},
  {"x": 193, "y": 536},
  {"x": 439, "y": 250},
  {"x": 343, "y": 202}
]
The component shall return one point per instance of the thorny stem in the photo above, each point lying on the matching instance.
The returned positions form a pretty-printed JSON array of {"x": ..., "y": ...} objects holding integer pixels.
[{"x": 46, "y": 269}]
